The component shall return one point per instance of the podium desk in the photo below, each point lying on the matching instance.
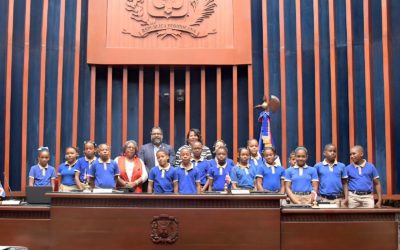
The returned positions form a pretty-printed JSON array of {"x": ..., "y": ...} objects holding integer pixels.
[
  {"x": 142, "y": 221},
  {"x": 25, "y": 225},
  {"x": 339, "y": 228}
]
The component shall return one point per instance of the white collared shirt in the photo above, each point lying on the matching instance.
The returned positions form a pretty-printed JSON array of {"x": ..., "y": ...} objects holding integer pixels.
[{"x": 155, "y": 154}]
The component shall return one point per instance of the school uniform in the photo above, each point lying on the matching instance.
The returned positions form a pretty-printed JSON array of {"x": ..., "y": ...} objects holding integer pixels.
[
  {"x": 202, "y": 166},
  {"x": 256, "y": 161},
  {"x": 42, "y": 175},
  {"x": 67, "y": 173},
  {"x": 163, "y": 179},
  {"x": 301, "y": 179},
  {"x": 361, "y": 184},
  {"x": 271, "y": 176},
  {"x": 104, "y": 173},
  {"x": 218, "y": 174},
  {"x": 83, "y": 166},
  {"x": 243, "y": 177},
  {"x": 330, "y": 181},
  {"x": 187, "y": 179}
]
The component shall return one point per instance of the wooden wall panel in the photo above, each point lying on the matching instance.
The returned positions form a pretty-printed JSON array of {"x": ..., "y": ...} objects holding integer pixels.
[{"x": 273, "y": 24}]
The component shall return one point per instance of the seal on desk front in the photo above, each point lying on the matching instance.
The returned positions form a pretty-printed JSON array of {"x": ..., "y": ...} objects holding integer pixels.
[{"x": 164, "y": 229}]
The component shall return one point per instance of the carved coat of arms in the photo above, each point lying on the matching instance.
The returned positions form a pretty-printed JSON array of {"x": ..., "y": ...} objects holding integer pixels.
[
  {"x": 170, "y": 17},
  {"x": 164, "y": 229}
]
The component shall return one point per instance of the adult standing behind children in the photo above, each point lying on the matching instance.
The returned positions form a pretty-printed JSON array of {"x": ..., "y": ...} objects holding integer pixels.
[
  {"x": 192, "y": 136},
  {"x": 362, "y": 177},
  {"x": 148, "y": 152},
  {"x": 132, "y": 169}
]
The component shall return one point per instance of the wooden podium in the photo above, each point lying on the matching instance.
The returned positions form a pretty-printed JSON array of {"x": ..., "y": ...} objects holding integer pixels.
[{"x": 142, "y": 221}]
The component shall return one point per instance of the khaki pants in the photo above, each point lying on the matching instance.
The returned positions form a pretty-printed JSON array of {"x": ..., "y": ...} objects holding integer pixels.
[
  {"x": 303, "y": 199},
  {"x": 64, "y": 188},
  {"x": 361, "y": 201},
  {"x": 338, "y": 202}
]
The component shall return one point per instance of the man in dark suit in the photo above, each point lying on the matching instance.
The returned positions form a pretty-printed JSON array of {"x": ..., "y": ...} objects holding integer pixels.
[{"x": 148, "y": 151}]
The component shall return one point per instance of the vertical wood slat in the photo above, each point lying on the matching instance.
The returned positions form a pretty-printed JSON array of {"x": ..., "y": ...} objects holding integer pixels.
[
  {"x": 7, "y": 118},
  {"x": 187, "y": 99},
  {"x": 140, "y": 118},
  {"x": 60, "y": 82},
  {"x": 299, "y": 53},
  {"x": 25, "y": 84},
  {"x": 350, "y": 70},
  {"x": 332, "y": 46},
  {"x": 386, "y": 46},
  {"x": 156, "y": 96},
  {"x": 235, "y": 111},
  {"x": 219, "y": 103},
  {"x": 265, "y": 46},
  {"x": 172, "y": 106},
  {"x": 369, "y": 92},
  {"x": 250, "y": 100},
  {"x": 203, "y": 104},
  {"x": 76, "y": 72},
  {"x": 317, "y": 84},
  {"x": 42, "y": 87},
  {"x": 92, "y": 102},
  {"x": 109, "y": 105},
  {"x": 124, "y": 104},
  {"x": 283, "y": 77}
]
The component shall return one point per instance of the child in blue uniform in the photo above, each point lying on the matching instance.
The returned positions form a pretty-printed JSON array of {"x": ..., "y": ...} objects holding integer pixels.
[
  {"x": 187, "y": 176},
  {"x": 84, "y": 164},
  {"x": 301, "y": 181},
  {"x": 363, "y": 177},
  {"x": 243, "y": 174},
  {"x": 255, "y": 157},
  {"x": 104, "y": 171},
  {"x": 42, "y": 174},
  {"x": 66, "y": 171},
  {"x": 292, "y": 159},
  {"x": 202, "y": 164},
  {"x": 270, "y": 177},
  {"x": 219, "y": 171},
  {"x": 162, "y": 177},
  {"x": 218, "y": 144},
  {"x": 332, "y": 178}
]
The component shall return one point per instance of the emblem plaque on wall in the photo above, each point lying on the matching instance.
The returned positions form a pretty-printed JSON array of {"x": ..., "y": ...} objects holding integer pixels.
[
  {"x": 164, "y": 229},
  {"x": 170, "y": 17},
  {"x": 169, "y": 32}
]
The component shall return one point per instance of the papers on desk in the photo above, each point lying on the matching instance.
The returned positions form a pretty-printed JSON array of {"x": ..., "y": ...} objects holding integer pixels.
[
  {"x": 10, "y": 202},
  {"x": 321, "y": 205},
  {"x": 240, "y": 191},
  {"x": 102, "y": 190}
]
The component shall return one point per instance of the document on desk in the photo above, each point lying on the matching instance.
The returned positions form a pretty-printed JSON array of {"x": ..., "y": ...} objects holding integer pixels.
[
  {"x": 10, "y": 202},
  {"x": 102, "y": 190}
]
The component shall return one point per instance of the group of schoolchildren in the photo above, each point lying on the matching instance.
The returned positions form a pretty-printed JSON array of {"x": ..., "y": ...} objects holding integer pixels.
[{"x": 329, "y": 181}]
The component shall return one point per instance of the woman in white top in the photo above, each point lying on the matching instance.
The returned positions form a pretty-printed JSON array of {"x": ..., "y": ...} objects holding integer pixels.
[{"x": 132, "y": 169}]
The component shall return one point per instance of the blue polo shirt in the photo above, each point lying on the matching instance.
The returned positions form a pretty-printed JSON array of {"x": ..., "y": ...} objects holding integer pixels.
[
  {"x": 256, "y": 161},
  {"x": 330, "y": 177},
  {"x": 163, "y": 179},
  {"x": 104, "y": 173},
  {"x": 67, "y": 173},
  {"x": 219, "y": 173},
  {"x": 244, "y": 177},
  {"x": 42, "y": 176},
  {"x": 272, "y": 176},
  {"x": 82, "y": 166},
  {"x": 301, "y": 178},
  {"x": 202, "y": 166},
  {"x": 187, "y": 179},
  {"x": 362, "y": 181}
]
